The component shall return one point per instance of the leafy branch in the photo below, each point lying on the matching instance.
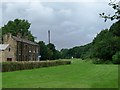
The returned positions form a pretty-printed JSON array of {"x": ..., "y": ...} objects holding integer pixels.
[{"x": 116, "y": 15}]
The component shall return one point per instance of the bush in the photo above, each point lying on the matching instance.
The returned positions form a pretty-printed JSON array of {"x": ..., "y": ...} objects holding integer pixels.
[
  {"x": 97, "y": 61},
  {"x": 116, "y": 58},
  {"x": 100, "y": 61},
  {"x": 13, "y": 66}
]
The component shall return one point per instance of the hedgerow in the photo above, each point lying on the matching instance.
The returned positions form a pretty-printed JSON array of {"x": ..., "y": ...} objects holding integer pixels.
[{"x": 14, "y": 66}]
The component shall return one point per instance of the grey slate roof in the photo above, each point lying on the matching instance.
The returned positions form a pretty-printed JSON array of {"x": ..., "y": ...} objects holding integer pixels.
[
  {"x": 3, "y": 46},
  {"x": 24, "y": 40}
]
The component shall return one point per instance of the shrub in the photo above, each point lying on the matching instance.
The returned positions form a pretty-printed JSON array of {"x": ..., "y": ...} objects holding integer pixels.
[
  {"x": 13, "y": 66},
  {"x": 116, "y": 58},
  {"x": 97, "y": 61}
]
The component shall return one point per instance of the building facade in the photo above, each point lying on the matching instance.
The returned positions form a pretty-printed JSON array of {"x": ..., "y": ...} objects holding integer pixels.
[
  {"x": 5, "y": 53},
  {"x": 20, "y": 49}
]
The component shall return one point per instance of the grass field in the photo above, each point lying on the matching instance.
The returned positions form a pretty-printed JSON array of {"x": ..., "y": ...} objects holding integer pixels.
[{"x": 79, "y": 74}]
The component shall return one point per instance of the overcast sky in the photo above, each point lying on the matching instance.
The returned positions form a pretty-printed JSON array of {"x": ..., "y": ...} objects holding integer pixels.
[{"x": 71, "y": 23}]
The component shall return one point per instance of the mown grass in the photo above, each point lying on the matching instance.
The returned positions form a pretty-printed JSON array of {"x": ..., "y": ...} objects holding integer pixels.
[{"x": 79, "y": 74}]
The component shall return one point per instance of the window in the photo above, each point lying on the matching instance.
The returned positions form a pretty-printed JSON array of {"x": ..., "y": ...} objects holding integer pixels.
[{"x": 9, "y": 49}]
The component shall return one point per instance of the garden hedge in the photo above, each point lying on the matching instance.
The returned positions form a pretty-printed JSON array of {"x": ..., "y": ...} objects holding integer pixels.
[{"x": 14, "y": 66}]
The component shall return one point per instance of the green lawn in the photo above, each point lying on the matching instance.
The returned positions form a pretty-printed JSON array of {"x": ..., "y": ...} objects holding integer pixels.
[{"x": 79, "y": 74}]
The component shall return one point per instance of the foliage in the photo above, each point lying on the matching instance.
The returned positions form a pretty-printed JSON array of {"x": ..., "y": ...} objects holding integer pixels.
[
  {"x": 100, "y": 61},
  {"x": 116, "y": 7},
  {"x": 44, "y": 50},
  {"x": 115, "y": 29},
  {"x": 104, "y": 47},
  {"x": 86, "y": 51},
  {"x": 13, "y": 66},
  {"x": 76, "y": 52},
  {"x": 48, "y": 52},
  {"x": 18, "y": 26},
  {"x": 116, "y": 58},
  {"x": 57, "y": 54},
  {"x": 97, "y": 61},
  {"x": 53, "y": 53},
  {"x": 64, "y": 54}
]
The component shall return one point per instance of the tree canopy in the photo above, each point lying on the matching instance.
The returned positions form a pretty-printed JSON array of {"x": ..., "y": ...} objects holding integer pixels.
[
  {"x": 48, "y": 52},
  {"x": 18, "y": 26}
]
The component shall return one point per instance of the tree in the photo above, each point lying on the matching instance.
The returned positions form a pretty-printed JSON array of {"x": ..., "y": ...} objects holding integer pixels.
[
  {"x": 74, "y": 52},
  {"x": 64, "y": 54},
  {"x": 48, "y": 51},
  {"x": 51, "y": 47},
  {"x": 115, "y": 28},
  {"x": 57, "y": 54},
  {"x": 18, "y": 26},
  {"x": 53, "y": 53},
  {"x": 116, "y": 15},
  {"x": 116, "y": 58},
  {"x": 44, "y": 51},
  {"x": 50, "y": 54},
  {"x": 106, "y": 43}
]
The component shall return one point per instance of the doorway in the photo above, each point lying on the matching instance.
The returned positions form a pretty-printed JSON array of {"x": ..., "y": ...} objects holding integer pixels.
[{"x": 9, "y": 59}]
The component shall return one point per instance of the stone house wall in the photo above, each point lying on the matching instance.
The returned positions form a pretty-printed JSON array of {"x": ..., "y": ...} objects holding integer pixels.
[
  {"x": 6, "y": 55},
  {"x": 18, "y": 50},
  {"x": 7, "y": 39}
]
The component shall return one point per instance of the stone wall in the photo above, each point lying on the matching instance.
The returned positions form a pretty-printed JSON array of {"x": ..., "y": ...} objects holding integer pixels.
[
  {"x": 19, "y": 51},
  {"x": 6, "y": 54},
  {"x": 0, "y": 56},
  {"x": 11, "y": 51}
]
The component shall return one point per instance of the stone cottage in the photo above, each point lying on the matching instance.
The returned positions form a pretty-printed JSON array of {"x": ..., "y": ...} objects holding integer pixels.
[{"x": 19, "y": 49}]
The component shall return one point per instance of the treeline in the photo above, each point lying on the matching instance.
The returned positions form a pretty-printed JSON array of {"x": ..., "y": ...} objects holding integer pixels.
[
  {"x": 76, "y": 52},
  {"x": 104, "y": 48}
]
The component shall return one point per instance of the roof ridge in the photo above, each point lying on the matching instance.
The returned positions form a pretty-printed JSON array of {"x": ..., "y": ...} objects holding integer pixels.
[{"x": 24, "y": 40}]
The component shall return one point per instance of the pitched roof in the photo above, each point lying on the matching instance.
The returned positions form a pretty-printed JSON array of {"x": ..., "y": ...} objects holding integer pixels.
[
  {"x": 3, "y": 46},
  {"x": 24, "y": 40}
]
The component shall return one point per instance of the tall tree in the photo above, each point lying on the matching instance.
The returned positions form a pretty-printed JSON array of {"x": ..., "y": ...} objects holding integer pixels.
[
  {"x": 54, "y": 54},
  {"x": 115, "y": 28},
  {"x": 64, "y": 53},
  {"x": 18, "y": 26},
  {"x": 44, "y": 51},
  {"x": 106, "y": 43}
]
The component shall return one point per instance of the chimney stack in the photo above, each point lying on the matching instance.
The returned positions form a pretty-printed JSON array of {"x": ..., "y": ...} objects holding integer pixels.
[
  {"x": 19, "y": 35},
  {"x": 49, "y": 36}
]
